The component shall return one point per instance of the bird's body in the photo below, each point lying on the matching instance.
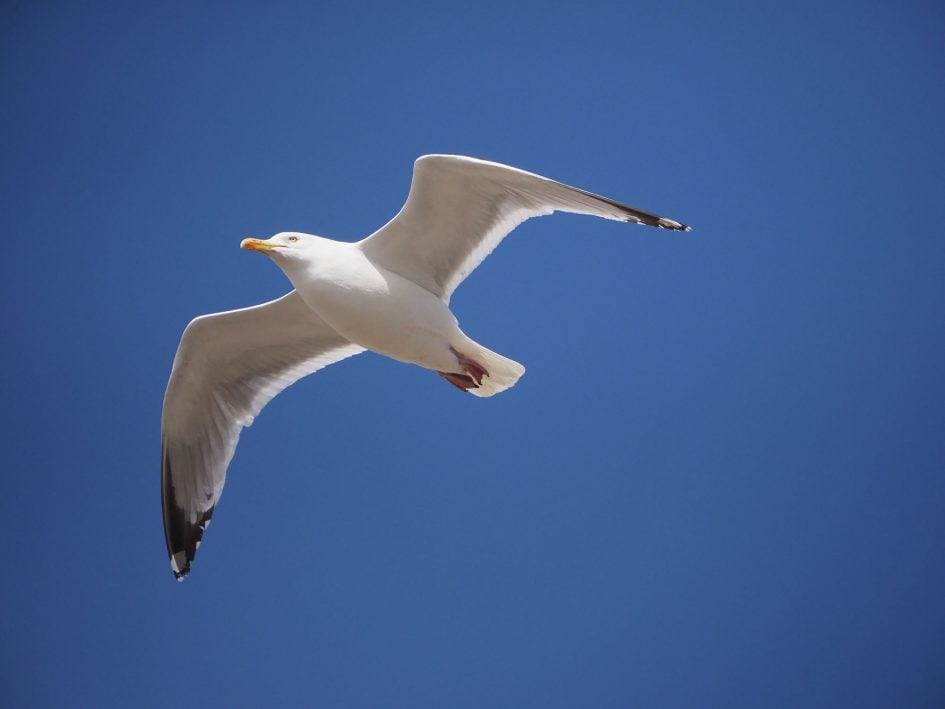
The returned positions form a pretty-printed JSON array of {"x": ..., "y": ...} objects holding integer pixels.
[
  {"x": 375, "y": 308},
  {"x": 388, "y": 293}
]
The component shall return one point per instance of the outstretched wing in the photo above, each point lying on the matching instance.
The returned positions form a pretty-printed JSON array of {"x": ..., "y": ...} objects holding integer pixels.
[
  {"x": 227, "y": 368},
  {"x": 460, "y": 208}
]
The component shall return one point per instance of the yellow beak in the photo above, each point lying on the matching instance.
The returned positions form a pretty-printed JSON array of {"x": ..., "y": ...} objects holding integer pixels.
[{"x": 258, "y": 245}]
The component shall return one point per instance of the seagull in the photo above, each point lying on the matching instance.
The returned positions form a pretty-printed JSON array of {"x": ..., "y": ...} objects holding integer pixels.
[{"x": 388, "y": 293}]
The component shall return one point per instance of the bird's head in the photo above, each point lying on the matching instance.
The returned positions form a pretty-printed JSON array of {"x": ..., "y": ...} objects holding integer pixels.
[{"x": 286, "y": 244}]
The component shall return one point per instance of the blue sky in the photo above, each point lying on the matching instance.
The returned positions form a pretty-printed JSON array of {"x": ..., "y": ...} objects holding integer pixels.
[{"x": 721, "y": 481}]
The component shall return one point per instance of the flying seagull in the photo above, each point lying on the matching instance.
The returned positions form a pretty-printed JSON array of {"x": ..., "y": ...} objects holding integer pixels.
[{"x": 388, "y": 293}]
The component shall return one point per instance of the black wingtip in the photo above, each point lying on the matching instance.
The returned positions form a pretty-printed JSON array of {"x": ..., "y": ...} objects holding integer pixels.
[
  {"x": 182, "y": 535},
  {"x": 182, "y": 546},
  {"x": 658, "y": 222},
  {"x": 180, "y": 571},
  {"x": 664, "y": 223}
]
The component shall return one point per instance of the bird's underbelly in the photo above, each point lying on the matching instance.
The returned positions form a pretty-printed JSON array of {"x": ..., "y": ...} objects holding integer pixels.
[{"x": 388, "y": 314}]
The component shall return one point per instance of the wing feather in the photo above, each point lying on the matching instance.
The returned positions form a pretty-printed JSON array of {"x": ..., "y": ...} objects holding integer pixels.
[
  {"x": 459, "y": 209},
  {"x": 227, "y": 368}
]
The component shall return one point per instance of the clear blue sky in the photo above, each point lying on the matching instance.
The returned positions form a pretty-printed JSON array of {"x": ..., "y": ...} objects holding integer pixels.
[{"x": 721, "y": 482}]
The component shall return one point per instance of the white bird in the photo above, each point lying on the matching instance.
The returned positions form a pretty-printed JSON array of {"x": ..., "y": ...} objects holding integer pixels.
[{"x": 388, "y": 293}]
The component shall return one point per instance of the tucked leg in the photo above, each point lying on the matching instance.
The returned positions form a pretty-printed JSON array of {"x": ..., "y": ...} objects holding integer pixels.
[
  {"x": 475, "y": 370},
  {"x": 472, "y": 376},
  {"x": 461, "y": 381}
]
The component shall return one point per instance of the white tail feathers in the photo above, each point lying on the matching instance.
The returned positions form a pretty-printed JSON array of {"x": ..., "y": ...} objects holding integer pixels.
[{"x": 503, "y": 372}]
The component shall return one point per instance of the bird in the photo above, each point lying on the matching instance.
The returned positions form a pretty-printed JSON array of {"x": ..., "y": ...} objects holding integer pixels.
[{"x": 388, "y": 293}]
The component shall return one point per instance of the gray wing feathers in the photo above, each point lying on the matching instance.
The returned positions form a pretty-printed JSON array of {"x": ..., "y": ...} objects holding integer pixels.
[
  {"x": 459, "y": 209},
  {"x": 227, "y": 368}
]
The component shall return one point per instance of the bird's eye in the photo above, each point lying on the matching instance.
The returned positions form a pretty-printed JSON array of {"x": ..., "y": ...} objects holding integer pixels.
[{"x": 293, "y": 238}]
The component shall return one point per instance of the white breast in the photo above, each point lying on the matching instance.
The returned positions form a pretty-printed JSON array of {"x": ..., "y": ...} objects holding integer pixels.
[{"x": 378, "y": 309}]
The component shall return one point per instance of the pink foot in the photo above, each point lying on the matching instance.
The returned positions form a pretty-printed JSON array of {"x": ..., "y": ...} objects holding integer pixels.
[
  {"x": 471, "y": 379},
  {"x": 475, "y": 370},
  {"x": 461, "y": 381}
]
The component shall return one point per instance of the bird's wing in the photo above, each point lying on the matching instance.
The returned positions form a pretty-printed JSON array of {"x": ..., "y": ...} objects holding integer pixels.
[
  {"x": 228, "y": 367},
  {"x": 460, "y": 208}
]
